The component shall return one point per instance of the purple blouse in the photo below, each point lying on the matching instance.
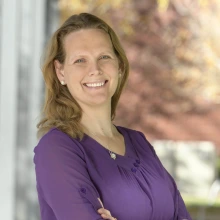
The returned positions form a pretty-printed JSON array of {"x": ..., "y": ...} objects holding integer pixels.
[{"x": 72, "y": 174}]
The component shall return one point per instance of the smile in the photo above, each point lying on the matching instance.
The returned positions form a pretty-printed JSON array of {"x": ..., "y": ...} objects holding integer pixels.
[{"x": 97, "y": 84}]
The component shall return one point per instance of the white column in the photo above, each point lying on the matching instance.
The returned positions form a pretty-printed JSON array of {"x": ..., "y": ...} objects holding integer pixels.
[
  {"x": 32, "y": 37},
  {"x": 36, "y": 79},
  {"x": 8, "y": 105},
  {"x": 36, "y": 97}
]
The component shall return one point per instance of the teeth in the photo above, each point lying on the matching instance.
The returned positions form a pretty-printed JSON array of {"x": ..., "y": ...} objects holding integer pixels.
[{"x": 95, "y": 84}]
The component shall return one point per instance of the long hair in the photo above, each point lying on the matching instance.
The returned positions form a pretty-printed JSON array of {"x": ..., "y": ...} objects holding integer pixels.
[{"x": 60, "y": 109}]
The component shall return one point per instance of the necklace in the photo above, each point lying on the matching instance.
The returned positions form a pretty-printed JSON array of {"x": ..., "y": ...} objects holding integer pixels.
[{"x": 112, "y": 154}]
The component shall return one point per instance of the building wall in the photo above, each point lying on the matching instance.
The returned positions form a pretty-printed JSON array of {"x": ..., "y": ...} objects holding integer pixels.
[{"x": 24, "y": 27}]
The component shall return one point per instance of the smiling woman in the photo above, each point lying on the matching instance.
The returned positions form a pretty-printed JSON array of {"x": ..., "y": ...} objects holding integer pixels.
[
  {"x": 91, "y": 68},
  {"x": 86, "y": 167},
  {"x": 61, "y": 110}
]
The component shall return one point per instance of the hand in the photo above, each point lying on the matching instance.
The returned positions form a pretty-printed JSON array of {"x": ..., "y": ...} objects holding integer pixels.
[{"x": 106, "y": 214}]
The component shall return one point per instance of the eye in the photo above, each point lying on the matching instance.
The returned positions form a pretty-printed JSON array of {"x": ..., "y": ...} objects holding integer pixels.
[
  {"x": 80, "y": 61},
  {"x": 105, "y": 57}
]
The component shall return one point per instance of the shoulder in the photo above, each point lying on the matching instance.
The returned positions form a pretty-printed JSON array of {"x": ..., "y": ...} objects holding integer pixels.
[
  {"x": 138, "y": 137},
  {"x": 132, "y": 132},
  {"x": 52, "y": 135},
  {"x": 57, "y": 141}
]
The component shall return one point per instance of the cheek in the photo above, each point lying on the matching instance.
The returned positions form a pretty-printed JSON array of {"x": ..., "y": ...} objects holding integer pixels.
[
  {"x": 115, "y": 81},
  {"x": 75, "y": 90},
  {"x": 111, "y": 64},
  {"x": 72, "y": 75},
  {"x": 73, "y": 83}
]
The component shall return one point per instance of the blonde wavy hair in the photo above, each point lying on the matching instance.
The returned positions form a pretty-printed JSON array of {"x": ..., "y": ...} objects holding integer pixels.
[{"x": 60, "y": 109}]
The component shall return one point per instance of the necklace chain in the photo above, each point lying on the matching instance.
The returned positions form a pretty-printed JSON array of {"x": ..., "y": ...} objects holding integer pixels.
[{"x": 112, "y": 154}]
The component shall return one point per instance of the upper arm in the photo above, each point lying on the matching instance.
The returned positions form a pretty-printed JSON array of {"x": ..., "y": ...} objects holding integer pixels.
[
  {"x": 181, "y": 212},
  {"x": 63, "y": 180}
]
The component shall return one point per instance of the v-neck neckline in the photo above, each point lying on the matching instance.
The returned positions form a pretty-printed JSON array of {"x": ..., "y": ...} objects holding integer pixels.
[{"x": 124, "y": 135}]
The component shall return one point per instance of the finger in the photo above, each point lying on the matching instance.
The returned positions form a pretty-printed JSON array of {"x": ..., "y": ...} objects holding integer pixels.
[
  {"x": 101, "y": 202},
  {"x": 109, "y": 217},
  {"x": 104, "y": 211}
]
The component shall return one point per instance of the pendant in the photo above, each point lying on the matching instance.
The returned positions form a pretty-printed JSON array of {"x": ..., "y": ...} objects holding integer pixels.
[{"x": 113, "y": 155}]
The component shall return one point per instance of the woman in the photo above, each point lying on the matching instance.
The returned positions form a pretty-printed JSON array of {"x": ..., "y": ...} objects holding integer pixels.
[{"x": 83, "y": 161}]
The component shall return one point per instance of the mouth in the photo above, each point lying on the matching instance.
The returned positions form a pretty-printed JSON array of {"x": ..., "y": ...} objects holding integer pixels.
[{"x": 96, "y": 84}]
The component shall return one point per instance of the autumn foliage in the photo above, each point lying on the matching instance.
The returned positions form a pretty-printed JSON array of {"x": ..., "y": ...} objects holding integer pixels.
[{"x": 173, "y": 48}]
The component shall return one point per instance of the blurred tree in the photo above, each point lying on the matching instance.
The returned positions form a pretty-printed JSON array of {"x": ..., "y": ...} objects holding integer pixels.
[{"x": 173, "y": 49}]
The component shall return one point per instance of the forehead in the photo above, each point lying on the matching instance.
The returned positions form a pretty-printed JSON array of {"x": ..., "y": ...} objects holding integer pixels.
[{"x": 87, "y": 39}]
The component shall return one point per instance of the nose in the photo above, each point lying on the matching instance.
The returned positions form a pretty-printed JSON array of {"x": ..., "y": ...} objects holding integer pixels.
[{"x": 95, "y": 68}]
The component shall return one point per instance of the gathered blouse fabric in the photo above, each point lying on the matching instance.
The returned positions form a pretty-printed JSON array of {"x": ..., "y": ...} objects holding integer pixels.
[{"x": 71, "y": 175}]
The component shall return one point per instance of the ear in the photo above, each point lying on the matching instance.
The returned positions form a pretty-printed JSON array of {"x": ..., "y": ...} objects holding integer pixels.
[{"x": 59, "y": 70}]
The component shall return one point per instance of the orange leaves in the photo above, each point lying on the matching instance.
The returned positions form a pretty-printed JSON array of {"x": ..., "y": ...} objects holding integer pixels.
[
  {"x": 163, "y": 5},
  {"x": 177, "y": 40}
]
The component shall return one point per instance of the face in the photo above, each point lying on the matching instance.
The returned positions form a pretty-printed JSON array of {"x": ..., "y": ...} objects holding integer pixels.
[{"x": 91, "y": 68}]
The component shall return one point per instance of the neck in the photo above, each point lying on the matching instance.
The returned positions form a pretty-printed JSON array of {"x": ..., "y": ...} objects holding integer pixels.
[{"x": 98, "y": 122}]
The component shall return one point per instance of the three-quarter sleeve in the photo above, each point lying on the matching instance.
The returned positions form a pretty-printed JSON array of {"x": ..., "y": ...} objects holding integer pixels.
[
  {"x": 63, "y": 182},
  {"x": 181, "y": 212}
]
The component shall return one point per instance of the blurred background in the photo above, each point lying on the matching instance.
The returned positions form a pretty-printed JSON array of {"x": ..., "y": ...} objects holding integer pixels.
[{"x": 172, "y": 96}]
